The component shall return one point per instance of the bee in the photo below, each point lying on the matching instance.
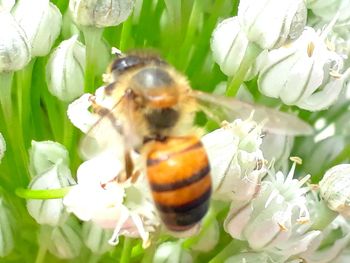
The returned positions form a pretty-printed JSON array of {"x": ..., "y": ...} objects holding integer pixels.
[{"x": 154, "y": 112}]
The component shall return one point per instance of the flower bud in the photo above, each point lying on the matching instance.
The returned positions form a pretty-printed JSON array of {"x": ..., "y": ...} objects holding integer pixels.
[
  {"x": 2, "y": 147},
  {"x": 50, "y": 211},
  {"x": 7, "y": 229},
  {"x": 171, "y": 252},
  {"x": 44, "y": 155},
  {"x": 304, "y": 73},
  {"x": 65, "y": 70},
  {"x": 236, "y": 161},
  {"x": 335, "y": 189},
  {"x": 270, "y": 24},
  {"x": 96, "y": 238},
  {"x": 15, "y": 51},
  {"x": 229, "y": 44},
  {"x": 99, "y": 13},
  {"x": 62, "y": 241},
  {"x": 41, "y": 21}
]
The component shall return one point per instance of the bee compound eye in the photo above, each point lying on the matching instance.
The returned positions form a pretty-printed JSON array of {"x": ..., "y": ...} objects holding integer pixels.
[{"x": 122, "y": 64}]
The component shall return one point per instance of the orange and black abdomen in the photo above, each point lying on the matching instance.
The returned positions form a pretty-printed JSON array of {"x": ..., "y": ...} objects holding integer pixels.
[{"x": 179, "y": 176}]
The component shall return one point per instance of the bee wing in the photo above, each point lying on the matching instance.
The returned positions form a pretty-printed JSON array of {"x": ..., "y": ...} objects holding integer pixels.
[
  {"x": 105, "y": 133},
  {"x": 221, "y": 108}
]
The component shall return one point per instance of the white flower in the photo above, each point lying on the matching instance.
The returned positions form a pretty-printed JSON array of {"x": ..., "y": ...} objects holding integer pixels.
[
  {"x": 62, "y": 241},
  {"x": 276, "y": 220},
  {"x": 249, "y": 257},
  {"x": 125, "y": 207},
  {"x": 7, "y": 229},
  {"x": 236, "y": 162},
  {"x": 171, "y": 252},
  {"x": 41, "y": 21},
  {"x": 49, "y": 163},
  {"x": 65, "y": 70},
  {"x": 2, "y": 147},
  {"x": 335, "y": 189},
  {"x": 15, "y": 49},
  {"x": 271, "y": 23},
  {"x": 96, "y": 238},
  {"x": 100, "y": 13},
  {"x": 320, "y": 252},
  {"x": 305, "y": 73}
]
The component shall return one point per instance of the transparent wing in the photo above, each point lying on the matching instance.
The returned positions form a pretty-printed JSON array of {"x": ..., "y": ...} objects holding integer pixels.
[
  {"x": 221, "y": 108},
  {"x": 105, "y": 133}
]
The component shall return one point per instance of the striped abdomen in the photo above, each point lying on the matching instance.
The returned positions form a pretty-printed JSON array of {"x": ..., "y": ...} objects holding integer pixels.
[{"x": 178, "y": 172}]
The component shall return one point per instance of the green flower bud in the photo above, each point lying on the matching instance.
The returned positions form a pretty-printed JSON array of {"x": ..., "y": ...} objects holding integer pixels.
[{"x": 96, "y": 238}]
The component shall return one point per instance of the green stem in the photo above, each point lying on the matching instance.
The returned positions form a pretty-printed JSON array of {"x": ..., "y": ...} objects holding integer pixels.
[
  {"x": 149, "y": 254},
  {"x": 42, "y": 194},
  {"x": 250, "y": 55},
  {"x": 190, "y": 32},
  {"x": 92, "y": 36},
  {"x": 40, "y": 257},
  {"x": 232, "y": 248},
  {"x": 126, "y": 252},
  {"x": 125, "y": 34}
]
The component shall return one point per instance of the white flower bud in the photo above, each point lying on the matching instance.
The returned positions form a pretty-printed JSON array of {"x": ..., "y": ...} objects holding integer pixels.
[
  {"x": 65, "y": 70},
  {"x": 50, "y": 211},
  {"x": 15, "y": 51},
  {"x": 45, "y": 155},
  {"x": 236, "y": 161},
  {"x": 229, "y": 44},
  {"x": 2, "y": 147},
  {"x": 335, "y": 189},
  {"x": 62, "y": 241},
  {"x": 41, "y": 21},
  {"x": 272, "y": 23},
  {"x": 7, "y": 229},
  {"x": 304, "y": 73},
  {"x": 7, "y": 4},
  {"x": 171, "y": 252},
  {"x": 276, "y": 220},
  {"x": 100, "y": 13},
  {"x": 96, "y": 238}
]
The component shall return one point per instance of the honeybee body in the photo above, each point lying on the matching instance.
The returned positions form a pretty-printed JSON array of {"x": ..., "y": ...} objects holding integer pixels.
[
  {"x": 153, "y": 111},
  {"x": 179, "y": 176},
  {"x": 155, "y": 106}
]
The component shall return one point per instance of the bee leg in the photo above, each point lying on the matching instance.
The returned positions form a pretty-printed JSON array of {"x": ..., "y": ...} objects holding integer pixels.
[
  {"x": 129, "y": 168},
  {"x": 135, "y": 176}
]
